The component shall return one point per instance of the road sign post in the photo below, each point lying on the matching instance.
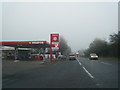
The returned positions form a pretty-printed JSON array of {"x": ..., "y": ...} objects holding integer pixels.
[{"x": 54, "y": 39}]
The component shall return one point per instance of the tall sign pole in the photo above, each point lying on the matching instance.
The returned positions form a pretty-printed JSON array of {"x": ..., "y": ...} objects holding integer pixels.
[
  {"x": 54, "y": 40},
  {"x": 50, "y": 47}
]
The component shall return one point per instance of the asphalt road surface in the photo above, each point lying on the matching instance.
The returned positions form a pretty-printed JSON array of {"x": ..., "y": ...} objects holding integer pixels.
[{"x": 80, "y": 73}]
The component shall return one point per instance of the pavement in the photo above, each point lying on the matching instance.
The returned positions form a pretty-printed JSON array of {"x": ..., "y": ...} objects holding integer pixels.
[{"x": 79, "y": 73}]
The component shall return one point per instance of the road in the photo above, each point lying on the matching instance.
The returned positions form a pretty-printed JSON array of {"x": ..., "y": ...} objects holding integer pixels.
[{"x": 80, "y": 73}]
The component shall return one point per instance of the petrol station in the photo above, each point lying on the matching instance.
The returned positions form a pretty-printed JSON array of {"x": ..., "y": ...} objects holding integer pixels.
[{"x": 40, "y": 46}]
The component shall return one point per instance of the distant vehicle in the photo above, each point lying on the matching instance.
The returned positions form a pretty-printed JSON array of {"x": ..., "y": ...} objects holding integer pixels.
[
  {"x": 36, "y": 57},
  {"x": 61, "y": 57},
  {"x": 72, "y": 57},
  {"x": 93, "y": 56}
]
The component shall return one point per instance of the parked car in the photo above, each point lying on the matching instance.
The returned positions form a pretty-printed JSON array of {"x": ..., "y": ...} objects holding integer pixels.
[
  {"x": 61, "y": 57},
  {"x": 72, "y": 57},
  {"x": 93, "y": 56}
]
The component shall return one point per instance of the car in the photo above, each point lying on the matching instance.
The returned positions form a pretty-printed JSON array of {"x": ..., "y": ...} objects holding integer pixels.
[
  {"x": 72, "y": 57},
  {"x": 93, "y": 56},
  {"x": 61, "y": 57}
]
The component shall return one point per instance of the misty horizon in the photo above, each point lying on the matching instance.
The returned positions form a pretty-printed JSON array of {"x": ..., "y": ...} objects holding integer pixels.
[{"x": 79, "y": 23}]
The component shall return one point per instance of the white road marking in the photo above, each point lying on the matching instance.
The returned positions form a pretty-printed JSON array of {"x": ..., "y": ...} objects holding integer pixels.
[
  {"x": 88, "y": 72},
  {"x": 16, "y": 60},
  {"x": 79, "y": 62},
  {"x": 85, "y": 69},
  {"x": 106, "y": 63}
]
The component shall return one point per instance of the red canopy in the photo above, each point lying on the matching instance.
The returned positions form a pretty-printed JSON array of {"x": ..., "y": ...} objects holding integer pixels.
[{"x": 25, "y": 44}]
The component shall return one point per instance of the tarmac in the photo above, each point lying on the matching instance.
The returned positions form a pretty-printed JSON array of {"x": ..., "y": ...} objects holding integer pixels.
[{"x": 13, "y": 66}]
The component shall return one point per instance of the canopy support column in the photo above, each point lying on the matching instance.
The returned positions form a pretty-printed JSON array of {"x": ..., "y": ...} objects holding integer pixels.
[
  {"x": 16, "y": 53},
  {"x": 44, "y": 54}
]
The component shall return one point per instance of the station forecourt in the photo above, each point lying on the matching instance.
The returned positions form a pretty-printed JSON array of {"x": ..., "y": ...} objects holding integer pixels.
[{"x": 26, "y": 50}]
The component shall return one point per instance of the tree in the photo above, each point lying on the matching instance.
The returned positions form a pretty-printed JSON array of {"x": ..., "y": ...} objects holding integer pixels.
[
  {"x": 113, "y": 44},
  {"x": 98, "y": 46},
  {"x": 64, "y": 48},
  {"x": 114, "y": 38},
  {"x": 104, "y": 48},
  {"x": 81, "y": 52}
]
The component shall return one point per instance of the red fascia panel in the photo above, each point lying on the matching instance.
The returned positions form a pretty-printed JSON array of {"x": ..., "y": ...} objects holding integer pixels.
[{"x": 22, "y": 42}]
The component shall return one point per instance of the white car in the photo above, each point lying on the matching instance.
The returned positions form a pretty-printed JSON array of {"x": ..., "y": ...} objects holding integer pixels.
[
  {"x": 61, "y": 57},
  {"x": 72, "y": 57},
  {"x": 93, "y": 56}
]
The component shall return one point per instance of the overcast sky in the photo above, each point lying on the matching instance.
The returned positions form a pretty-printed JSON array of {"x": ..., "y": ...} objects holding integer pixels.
[{"x": 79, "y": 23}]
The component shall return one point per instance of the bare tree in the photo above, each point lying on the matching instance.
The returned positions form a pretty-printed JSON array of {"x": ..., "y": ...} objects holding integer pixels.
[{"x": 64, "y": 48}]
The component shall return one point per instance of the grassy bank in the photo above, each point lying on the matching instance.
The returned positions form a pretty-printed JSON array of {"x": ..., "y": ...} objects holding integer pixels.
[{"x": 111, "y": 58}]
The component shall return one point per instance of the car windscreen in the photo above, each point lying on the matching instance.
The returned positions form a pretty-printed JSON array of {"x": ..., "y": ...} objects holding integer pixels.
[
  {"x": 93, "y": 55},
  {"x": 71, "y": 55}
]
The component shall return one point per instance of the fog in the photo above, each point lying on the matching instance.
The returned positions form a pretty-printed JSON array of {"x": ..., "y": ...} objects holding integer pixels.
[{"x": 79, "y": 23}]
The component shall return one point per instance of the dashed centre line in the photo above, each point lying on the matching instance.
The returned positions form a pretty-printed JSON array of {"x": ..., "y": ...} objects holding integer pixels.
[
  {"x": 79, "y": 62},
  {"x": 88, "y": 72},
  {"x": 85, "y": 69}
]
